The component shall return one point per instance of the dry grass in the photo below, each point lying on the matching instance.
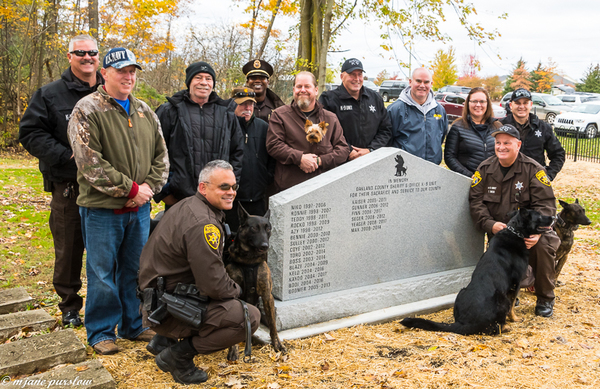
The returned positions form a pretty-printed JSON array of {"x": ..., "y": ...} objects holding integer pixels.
[{"x": 556, "y": 353}]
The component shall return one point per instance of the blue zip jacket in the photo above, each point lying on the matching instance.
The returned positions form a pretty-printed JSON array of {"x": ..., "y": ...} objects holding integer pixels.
[{"x": 418, "y": 129}]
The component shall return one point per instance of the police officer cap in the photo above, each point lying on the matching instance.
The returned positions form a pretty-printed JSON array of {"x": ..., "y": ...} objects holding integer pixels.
[
  {"x": 242, "y": 94},
  {"x": 508, "y": 130},
  {"x": 258, "y": 67}
]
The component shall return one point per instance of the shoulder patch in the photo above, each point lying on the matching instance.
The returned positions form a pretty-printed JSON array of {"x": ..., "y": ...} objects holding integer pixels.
[
  {"x": 542, "y": 177},
  {"x": 476, "y": 178},
  {"x": 212, "y": 234}
]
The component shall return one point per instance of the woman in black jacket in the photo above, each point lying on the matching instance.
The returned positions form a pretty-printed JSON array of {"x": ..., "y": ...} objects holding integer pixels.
[{"x": 469, "y": 141}]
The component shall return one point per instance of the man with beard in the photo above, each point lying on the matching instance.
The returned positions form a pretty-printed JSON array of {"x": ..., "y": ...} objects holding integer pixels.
[
  {"x": 259, "y": 166},
  {"x": 419, "y": 123},
  {"x": 361, "y": 111},
  {"x": 199, "y": 127},
  {"x": 43, "y": 132},
  {"x": 257, "y": 74},
  {"x": 297, "y": 159}
]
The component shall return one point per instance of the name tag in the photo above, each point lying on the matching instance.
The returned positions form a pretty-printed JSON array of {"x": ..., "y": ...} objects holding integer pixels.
[{"x": 345, "y": 108}]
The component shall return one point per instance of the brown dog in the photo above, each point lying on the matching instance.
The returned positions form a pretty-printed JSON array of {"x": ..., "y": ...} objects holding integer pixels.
[
  {"x": 315, "y": 132},
  {"x": 569, "y": 219},
  {"x": 249, "y": 269}
]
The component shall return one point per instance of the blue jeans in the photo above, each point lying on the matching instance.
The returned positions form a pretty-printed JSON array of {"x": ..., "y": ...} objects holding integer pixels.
[{"x": 113, "y": 244}]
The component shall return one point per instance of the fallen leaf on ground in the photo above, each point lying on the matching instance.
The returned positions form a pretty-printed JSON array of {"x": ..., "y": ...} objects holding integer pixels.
[
  {"x": 232, "y": 380},
  {"x": 328, "y": 337}
]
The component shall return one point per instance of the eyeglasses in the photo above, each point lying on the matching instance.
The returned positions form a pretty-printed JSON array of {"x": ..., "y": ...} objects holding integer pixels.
[
  {"x": 82, "y": 53},
  {"x": 480, "y": 102},
  {"x": 225, "y": 187}
]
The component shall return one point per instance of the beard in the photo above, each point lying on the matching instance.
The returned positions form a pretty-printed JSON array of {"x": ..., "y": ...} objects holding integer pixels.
[{"x": 304, "y": 103}]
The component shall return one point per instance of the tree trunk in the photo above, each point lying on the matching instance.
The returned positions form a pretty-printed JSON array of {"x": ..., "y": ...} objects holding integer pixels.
[
  {"x": 260, "y": 52},
  {"x": 93, "y": 15},
  {"x": 322, "y": 60},
  {"x": 305, "y": 41}
]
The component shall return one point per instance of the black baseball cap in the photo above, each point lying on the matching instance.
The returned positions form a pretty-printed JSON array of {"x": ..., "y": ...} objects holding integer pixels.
[
  {"x": 508, "y": 129},
  {"x": 520, "y": 93},
  {"x": 351, "y": 65}
]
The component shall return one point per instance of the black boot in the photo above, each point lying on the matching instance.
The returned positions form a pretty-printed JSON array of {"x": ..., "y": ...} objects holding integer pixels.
[
  {"x": 159, "y": 343},
  {"x": 179, "y": 361}
]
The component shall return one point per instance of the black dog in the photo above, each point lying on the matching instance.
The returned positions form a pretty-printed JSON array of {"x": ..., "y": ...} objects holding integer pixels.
[
  {"x": 569, "y": 219},
  {"x": 482, "y": 307},
  {"x": 248, "y": 268}
]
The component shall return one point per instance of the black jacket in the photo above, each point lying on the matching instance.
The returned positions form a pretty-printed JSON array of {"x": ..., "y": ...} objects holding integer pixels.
[
  {"x": 537, "y": 138},
  {"x": 43, "y": 128},
  {"x": 259, "y": 166},
  {"x": 366, "y": 122},
  {"x": 466, "y": 147},
  {"x": 221, "y": 138}
]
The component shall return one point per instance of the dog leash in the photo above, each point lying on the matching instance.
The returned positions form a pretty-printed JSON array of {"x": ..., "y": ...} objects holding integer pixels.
[{"x": 248, "y": 348}]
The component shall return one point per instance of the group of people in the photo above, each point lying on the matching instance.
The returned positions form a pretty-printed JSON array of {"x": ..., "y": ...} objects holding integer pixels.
[{"x": 104, "y": 155}]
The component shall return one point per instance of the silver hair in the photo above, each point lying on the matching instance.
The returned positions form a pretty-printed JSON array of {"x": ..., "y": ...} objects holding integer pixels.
[
  {"x": 209, "y": 169},
  {"x": 81, "y": 38}
]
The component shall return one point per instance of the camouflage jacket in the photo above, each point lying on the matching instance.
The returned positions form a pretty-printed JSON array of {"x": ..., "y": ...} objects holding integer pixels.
[{"x": 113, "y": 149}]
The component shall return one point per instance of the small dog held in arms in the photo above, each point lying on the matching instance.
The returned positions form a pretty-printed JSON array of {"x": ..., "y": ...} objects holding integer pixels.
[
  {"x": 568, "y": 220},
  {"x": 483, "y": 306},
  {"x": 248, "y": 268},
  {"x": 315, "y": 132}
]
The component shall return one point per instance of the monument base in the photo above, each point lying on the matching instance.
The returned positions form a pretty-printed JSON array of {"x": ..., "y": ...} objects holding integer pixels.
[
  {"x": 374, "y": 317},
  {"x": 369, "y": 304}
]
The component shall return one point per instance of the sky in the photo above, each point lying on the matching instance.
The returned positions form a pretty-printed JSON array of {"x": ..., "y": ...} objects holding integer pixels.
[{"x": 565, "y": 31}]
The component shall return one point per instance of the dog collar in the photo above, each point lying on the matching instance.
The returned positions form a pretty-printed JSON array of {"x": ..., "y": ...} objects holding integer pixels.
[
  {"x": 511, "y": 229},
  {"x": 559, "y": 221}
]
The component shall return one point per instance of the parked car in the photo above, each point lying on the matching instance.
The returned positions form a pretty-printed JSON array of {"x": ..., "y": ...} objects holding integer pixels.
[
  {"x": 454, "y": 89},
  {"x": 584, "y": 118},
  {"x": 504, "y": 103},
  {"x": 454, "y": 104},
  {"x": 545, "y": 106},
  {"x": 371, "y": 85},
  {"x": 328, "y": 87},
  {"x": 391, "y": 89},
  {"x": 577, "y": 99}
]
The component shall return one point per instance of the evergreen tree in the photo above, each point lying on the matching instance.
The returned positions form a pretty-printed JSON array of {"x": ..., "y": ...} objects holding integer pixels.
[
  {"x": 518, "y": 78},
  {"x": 591, "y": 80},
  {"x": 535, "y": 76}
]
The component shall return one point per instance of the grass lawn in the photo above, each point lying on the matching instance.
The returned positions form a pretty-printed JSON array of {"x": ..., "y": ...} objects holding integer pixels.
[{"x": 26, "y": 245}]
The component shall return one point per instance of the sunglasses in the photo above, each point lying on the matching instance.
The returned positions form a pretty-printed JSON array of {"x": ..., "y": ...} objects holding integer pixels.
[
  {"x": 82, "y": 53},
  {"x": 244, "y": 94},
  {"x": 225, "y": 187}
]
